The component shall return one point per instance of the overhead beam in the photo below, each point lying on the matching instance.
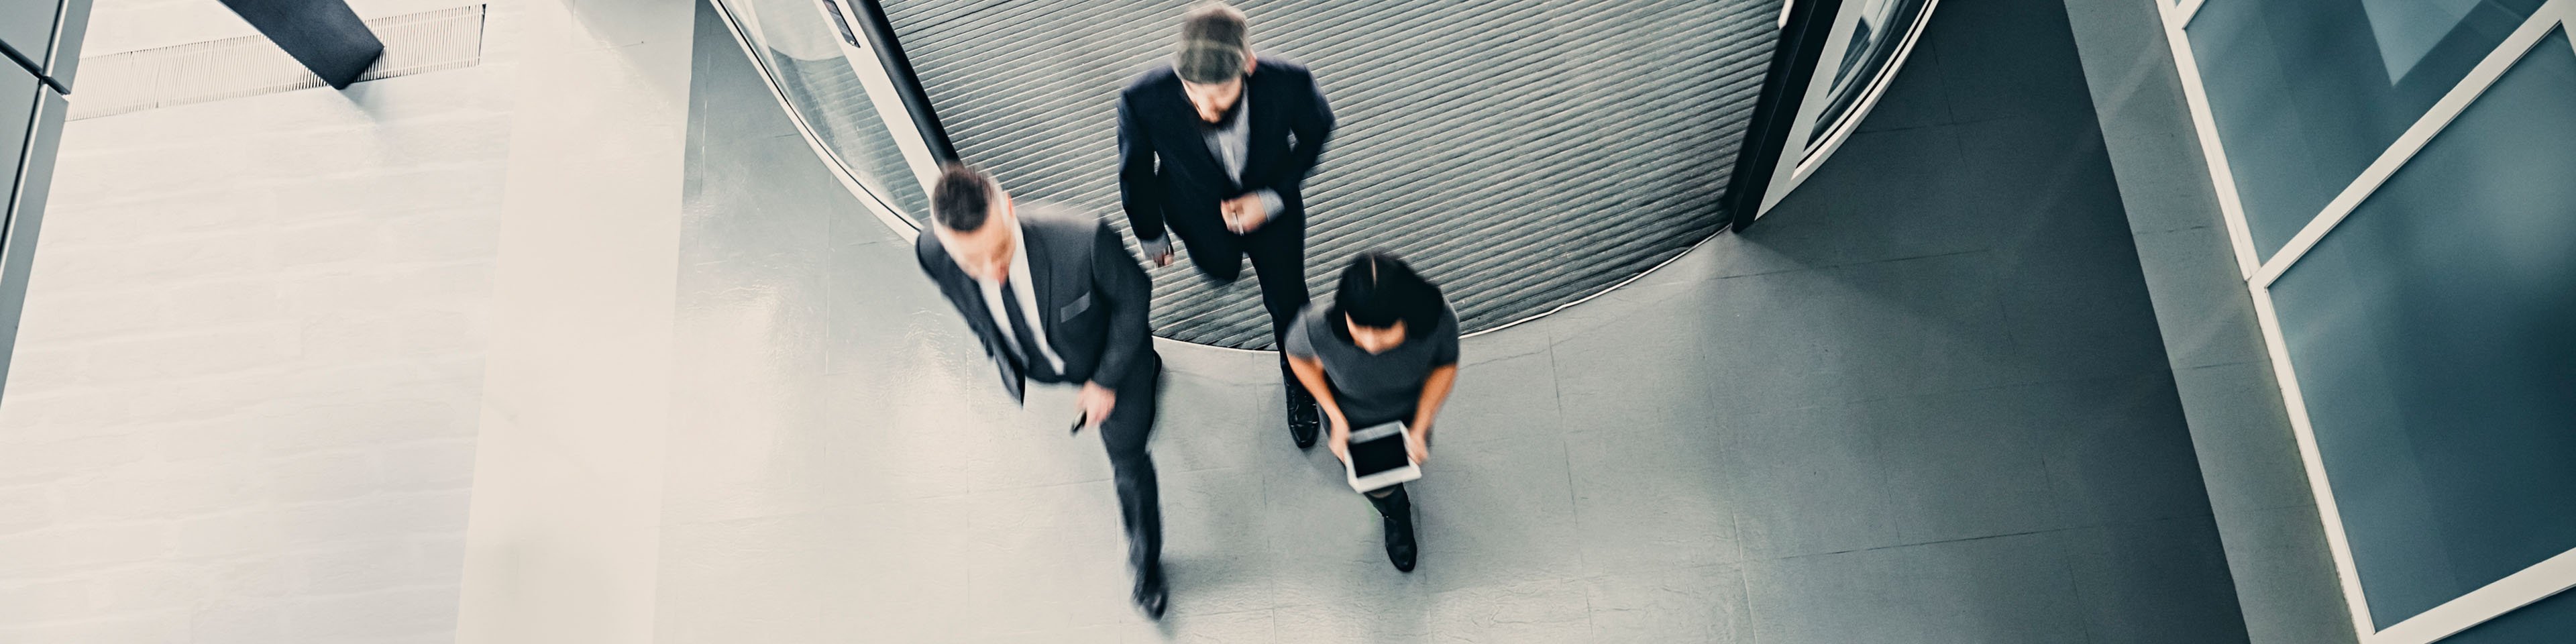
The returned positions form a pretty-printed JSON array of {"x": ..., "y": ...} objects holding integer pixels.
[{"x": 324, "y": 35}]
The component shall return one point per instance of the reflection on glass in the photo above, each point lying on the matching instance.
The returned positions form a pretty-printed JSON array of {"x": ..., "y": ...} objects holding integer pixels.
[
  {"x": 800, "y": 42},
  {"x": 2431, "y": 336},
  {"x": 2307, "y": 93},
  {"x": 1874, "y": 38}
]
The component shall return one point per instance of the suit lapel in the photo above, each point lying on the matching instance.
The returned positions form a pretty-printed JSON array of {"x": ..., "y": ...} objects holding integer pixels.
[
  {"x": 979, "y": 316},
  {"x": 969, "y": 297},
  {"x": 1042, "y": 277},
  {"x": 1268, "y": 132}
]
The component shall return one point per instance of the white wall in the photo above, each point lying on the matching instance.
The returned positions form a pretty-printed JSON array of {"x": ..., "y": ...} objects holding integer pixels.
[{"x": 245, "y": 396}]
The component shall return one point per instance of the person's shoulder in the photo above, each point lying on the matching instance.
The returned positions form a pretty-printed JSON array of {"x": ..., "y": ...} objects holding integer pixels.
[
  {"x": 1039, "y": 214},
  {"x": 1285, "y": 68},
  {"x": 1158, "y": 78},
  {"x": 926, "y": 248},
  {"x": 1303, "y": 330},
  {"x": 1059, "y": 223}
]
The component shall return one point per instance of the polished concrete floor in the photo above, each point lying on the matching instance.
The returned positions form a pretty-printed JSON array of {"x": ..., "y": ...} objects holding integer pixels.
[{"x": 1924, "y": 401}]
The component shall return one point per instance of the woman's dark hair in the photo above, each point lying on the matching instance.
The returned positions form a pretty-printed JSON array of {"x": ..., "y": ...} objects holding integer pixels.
[{"x": 1379, "y": 290}]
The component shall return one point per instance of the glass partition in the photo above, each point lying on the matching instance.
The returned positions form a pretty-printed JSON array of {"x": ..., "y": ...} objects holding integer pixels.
[
  {"x": 1833, "y": 60},
  {"x": 2395, "y": 178},
  {"x": 2325, "y": 85},
  {"x": 1878, "y": 31},
  {"x": 833, "y": 85}
]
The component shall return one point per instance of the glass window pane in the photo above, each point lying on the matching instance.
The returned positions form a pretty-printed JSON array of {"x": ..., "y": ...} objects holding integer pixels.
[
  {"x": 2306, "y": 93},
  {"x": 2434, "y": 335},
  {"x": 1881, "y": 26}
]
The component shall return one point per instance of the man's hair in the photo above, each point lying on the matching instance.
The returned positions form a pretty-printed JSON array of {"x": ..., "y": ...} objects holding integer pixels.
[
  {"x": 961, "y": 198},
  {"x": 1379, "y": 290},
  {"x": 1213, "y": 43}
]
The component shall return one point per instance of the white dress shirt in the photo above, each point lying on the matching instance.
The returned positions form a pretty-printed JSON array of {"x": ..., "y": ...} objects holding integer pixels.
[
  {"x": 1028, "y": 304},
  {"x": 1234, "y": 143}
]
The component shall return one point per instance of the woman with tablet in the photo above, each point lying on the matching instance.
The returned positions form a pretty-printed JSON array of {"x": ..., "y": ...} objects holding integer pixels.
[{"x": 1380, "y": 361}]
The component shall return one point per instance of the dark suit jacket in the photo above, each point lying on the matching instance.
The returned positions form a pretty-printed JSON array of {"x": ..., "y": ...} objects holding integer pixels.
[
  {"x": 1093, "y": 293},
  {"x": 1290, "y": 122}
]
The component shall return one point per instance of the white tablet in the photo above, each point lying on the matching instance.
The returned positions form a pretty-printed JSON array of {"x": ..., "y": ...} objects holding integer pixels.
[{"x": 1380, "y": 458}]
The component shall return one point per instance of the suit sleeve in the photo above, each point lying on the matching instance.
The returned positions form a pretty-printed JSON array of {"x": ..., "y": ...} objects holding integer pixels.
[
  {"x": 1312, "y": 124},
  {"x": 1138, "y": 190},
  {"x": 1115, "y": 274}
]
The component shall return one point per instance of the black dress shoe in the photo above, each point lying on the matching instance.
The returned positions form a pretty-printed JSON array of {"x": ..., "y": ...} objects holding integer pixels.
[
  {"x": 1150, "y": 594},
  {"x": 1305, "y": 418},
  {"x": 1399, "y": 543}
]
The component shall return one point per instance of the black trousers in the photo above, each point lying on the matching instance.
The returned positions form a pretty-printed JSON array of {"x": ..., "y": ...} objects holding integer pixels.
[
  {"x": 1130, "y": 423},
  {"x": 1278, "y": 253}
]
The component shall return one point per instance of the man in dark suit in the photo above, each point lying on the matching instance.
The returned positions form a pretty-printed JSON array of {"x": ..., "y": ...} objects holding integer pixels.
[
  {"x": 1215, "y": 148},
  {"x": 1056, "y": 299}
]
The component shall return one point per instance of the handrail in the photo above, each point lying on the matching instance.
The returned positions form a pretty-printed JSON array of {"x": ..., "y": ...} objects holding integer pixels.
[{"x": 880, "y": 34}]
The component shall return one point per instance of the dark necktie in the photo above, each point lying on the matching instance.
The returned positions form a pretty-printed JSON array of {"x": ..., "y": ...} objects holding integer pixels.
[{"x": 1032, "y": 355}]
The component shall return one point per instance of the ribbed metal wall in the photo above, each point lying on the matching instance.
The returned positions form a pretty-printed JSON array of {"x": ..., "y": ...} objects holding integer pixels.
[{"x": 1523, "y": 153}]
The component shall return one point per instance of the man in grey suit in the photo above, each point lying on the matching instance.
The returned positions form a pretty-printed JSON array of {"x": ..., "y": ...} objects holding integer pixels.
[{"x": 1056, "y": 299}]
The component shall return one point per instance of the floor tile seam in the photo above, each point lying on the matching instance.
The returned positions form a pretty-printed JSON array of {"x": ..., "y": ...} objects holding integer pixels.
[
  {"x": 1929, "y": 393},
  {"x": 2141, "y": 521},
  {"x": 2047, "y": 531},
  {"x": 2142, "y": 232},
  {"x": 802, "y": 510},
  {"x": 1909, "y": 545},
  {"x": 2075, "y": 589},
  {"x": 2042, "y": 115},
  {"x": 1849, "y": 264},
  {"x": 2179, "y": 369},
  {"x": 2265, "y": 510}
]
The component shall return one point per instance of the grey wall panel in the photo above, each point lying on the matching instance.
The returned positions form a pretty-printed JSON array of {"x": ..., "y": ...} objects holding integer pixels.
[
  {"x": 1524, "y": 153},
  {"x": 27, "y": 28},
  {"x": 67, "y": 42},
  {"x": 35, "y": 177},
  {"x": 17, "y": 116}
]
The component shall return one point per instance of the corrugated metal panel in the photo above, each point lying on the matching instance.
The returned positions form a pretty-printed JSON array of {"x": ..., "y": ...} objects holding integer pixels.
[{"x": 1524, "y": 153}]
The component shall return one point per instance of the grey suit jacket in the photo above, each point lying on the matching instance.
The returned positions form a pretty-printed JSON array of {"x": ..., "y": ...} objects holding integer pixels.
[{"x": 1093, "y": 293}]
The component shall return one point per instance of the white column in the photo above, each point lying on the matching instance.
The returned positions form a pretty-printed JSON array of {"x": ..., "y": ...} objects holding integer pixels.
[{"x": 561, "y": 544}]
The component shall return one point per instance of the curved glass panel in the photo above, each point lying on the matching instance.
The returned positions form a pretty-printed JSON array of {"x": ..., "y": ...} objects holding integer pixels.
[
  {"x": 800, "y": 45},
  {"x": 1868, "y": 57},
  {"x": 2305, "y": 94}
]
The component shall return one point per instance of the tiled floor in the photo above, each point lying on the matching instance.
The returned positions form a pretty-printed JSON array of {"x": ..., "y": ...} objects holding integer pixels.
[{"x": 1923, "y": 402}]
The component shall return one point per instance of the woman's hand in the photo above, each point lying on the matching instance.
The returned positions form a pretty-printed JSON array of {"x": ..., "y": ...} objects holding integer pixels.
[
  {"x": 1417, "y": 443},
  {"x": 1340, "y": 439}
]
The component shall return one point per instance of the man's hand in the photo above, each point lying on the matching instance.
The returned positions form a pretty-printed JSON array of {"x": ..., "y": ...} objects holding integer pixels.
[
  {"x": 1163, "y": 258},
  {"x": 1095, "y": 402},
  {"x": 1244, "y": 214}
]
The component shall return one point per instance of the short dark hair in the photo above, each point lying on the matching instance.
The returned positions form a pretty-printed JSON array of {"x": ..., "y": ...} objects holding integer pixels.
[
  {"x": 1379, "y": 290},
  {"x": 1213, "y": 43},
  {"x": 961, "y": 198}
]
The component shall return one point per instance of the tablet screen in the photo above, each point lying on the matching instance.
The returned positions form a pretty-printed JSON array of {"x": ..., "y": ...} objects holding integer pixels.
[{"x": 1371, "y": 457}]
